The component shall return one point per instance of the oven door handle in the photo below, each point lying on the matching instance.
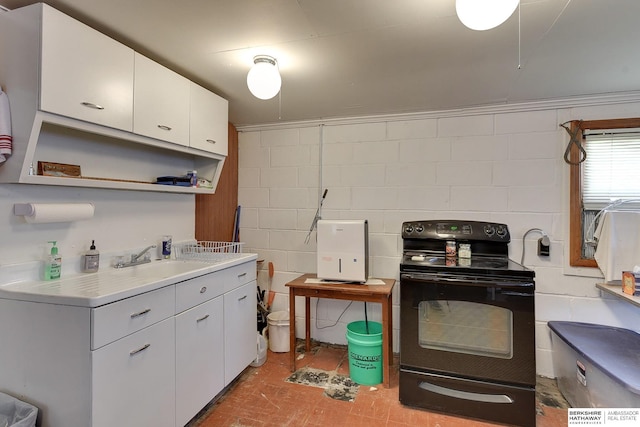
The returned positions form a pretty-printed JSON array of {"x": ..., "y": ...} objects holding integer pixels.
[
  {"x": 475, "y": 281},
  {"x": 458, "y": 394}
]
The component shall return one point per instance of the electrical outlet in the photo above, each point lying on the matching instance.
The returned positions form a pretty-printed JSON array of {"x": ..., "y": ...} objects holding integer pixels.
[{"x": 543, "y": 250}]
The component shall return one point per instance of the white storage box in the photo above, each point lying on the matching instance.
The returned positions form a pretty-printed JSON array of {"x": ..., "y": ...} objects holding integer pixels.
[{"x": 596, "y": 366}]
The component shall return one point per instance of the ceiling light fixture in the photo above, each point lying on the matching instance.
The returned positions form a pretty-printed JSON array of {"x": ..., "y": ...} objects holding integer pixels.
[
  {"x": 263, "y": 78},
  {"x": 483, "y": 15}
]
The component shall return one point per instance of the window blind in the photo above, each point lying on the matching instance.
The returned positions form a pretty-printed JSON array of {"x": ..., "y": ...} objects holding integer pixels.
[{"x": 611, "y": 170}]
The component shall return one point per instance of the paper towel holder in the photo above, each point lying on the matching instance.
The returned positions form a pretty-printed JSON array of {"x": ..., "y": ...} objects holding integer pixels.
[{"x": 74, "y": 211}]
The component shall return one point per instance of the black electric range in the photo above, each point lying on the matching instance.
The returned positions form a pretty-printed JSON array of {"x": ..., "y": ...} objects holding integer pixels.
[{"x": 467, "y": 322}]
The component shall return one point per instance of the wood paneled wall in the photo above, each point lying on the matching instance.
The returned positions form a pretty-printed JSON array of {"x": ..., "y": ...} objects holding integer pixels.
[{"x": 215, "y": 213}]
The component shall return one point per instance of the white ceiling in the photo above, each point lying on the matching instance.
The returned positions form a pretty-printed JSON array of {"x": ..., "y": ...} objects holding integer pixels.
[{"x": 341, "y": 58}]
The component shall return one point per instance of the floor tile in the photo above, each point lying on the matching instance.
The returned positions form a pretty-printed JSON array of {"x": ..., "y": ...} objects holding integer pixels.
[{"x": 261, "y": 397}]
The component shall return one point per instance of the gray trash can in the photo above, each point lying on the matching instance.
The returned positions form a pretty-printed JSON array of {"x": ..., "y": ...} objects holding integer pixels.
[{"x": 16, "y": 413}]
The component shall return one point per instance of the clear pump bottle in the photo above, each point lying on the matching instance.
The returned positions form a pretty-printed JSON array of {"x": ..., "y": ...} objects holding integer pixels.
[{"x": 91, "y": 260}]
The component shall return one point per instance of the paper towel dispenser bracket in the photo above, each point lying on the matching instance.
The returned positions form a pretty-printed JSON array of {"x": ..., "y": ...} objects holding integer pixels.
[{"x": 23, "y": 209}]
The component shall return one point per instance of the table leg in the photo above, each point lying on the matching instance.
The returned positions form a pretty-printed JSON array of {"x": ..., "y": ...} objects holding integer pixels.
[
  {"x": 292, "y": 329},
  {"x": 307, "y": 322},
  {"x": 387, "y": 354}
]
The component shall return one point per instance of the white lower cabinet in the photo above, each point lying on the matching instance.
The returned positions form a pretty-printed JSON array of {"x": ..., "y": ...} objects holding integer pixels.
[
  {"x": 134, "y": 379},
  {"x": 153, "y": 359},
  {"x": 239, "y": 330},
  {"x": 199, "y": 358}
]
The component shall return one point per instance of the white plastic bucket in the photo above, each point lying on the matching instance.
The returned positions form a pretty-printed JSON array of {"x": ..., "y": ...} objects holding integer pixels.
[
  {"x": 261, "y": 351},
  {"x": 278, "y": 331}
]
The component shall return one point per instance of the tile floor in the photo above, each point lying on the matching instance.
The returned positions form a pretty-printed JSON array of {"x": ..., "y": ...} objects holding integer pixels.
[{"x": 261, "y": 397}]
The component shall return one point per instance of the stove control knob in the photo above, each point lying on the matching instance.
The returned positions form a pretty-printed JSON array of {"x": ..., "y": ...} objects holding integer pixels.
[
  {"x": 419, "y": 228},
  {"x": 408, "y": 229},
  {"x": 501, "y": 231},
  {"x": 489, "y": 230}
]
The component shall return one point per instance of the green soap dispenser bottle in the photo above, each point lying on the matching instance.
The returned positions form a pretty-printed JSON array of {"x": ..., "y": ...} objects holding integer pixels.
[{"x": 53, "y": 264}]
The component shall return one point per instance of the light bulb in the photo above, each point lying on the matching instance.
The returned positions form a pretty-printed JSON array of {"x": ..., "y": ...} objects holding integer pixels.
[
  {"x": 485, "y": 14},
  {"x": 264, "y": 79}
]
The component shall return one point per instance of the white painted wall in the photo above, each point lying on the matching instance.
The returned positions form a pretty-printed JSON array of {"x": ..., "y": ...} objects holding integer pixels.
[
  {"x": 502, "y": 164},
  {"x": 124, "y": 221}
]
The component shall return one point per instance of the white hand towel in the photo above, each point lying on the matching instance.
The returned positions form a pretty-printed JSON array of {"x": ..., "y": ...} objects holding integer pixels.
[
  {"x": 5, "y": 127},
  {"x": 618, "y": 247}
]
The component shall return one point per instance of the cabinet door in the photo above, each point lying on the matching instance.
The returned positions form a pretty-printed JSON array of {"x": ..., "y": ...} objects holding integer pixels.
[
  {"x": 209, "y": 121},
  {"x": 239, "y": 330},
  {"x": 134, "y": 379},
  {"x": 85, "y": 74},
  {"x": 199, "y": 358},
  {"x": 161, "y": 102}
]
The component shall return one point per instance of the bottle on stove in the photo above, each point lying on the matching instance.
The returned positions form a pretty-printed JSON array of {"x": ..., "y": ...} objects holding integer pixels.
[
  {"x": 450, "y": 249},
  {"x": 464, "y": 250}
]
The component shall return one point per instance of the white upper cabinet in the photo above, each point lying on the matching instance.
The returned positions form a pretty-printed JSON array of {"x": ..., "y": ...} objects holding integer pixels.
[
  {"x": 85, "y": 74},
  {"x": 161, "y": 102},
  {"x": 209, "y": 121},
  {"x": 80, "y": 97}
]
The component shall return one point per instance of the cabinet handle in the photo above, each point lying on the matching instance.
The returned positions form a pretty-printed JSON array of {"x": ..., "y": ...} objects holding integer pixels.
[
  {"x": 143, "y": 348},
  {"x": 241, "y": 298},
  {"x": 211, "y": 141},
  {"x": 203, "y": 289},
  {"x": 241, "y": 275},
  {"x": 140, "y": 313},
  {"x": 206, "y": 316},
  {"x": 92, "y": 105},
  {"x": 164, "y": 127}
]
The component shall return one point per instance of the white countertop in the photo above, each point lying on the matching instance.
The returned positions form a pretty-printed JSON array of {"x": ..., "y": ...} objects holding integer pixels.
[{"x": 113, "y": 284}]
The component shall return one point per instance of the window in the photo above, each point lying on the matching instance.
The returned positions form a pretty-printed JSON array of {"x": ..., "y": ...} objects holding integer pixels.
[{"x": 601, "y": 179}]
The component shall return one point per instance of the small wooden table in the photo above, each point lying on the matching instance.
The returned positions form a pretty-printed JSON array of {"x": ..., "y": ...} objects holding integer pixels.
[{"x": 345, "y": 291}]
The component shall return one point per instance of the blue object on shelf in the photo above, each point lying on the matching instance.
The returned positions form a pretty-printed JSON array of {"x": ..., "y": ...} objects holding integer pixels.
[{"x": 181, "y": 181}]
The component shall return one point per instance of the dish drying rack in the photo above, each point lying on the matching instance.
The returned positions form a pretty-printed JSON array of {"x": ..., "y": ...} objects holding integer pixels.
[{"x": 208, "y": 251}]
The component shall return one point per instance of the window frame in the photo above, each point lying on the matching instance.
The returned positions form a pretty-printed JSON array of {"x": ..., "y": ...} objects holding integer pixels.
[{"x": 575, "y": 184}]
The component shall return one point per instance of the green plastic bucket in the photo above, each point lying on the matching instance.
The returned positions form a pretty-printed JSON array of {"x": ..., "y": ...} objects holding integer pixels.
[{"x": 365, "y": 352}]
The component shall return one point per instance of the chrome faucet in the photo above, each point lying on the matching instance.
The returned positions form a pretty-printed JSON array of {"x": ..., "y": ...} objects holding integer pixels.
[{"x": 135, "y": 257}]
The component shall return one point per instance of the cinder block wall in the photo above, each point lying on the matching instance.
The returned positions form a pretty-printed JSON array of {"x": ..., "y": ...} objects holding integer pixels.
[{"x": 503, "y": 164}]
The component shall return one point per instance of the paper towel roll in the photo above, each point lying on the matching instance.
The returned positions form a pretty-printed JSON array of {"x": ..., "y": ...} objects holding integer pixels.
[{"x": 54, "y": 212}]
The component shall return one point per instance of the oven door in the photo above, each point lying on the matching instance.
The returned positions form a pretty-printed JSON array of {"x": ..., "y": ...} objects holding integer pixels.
[{"x": 469, "y": 327}]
